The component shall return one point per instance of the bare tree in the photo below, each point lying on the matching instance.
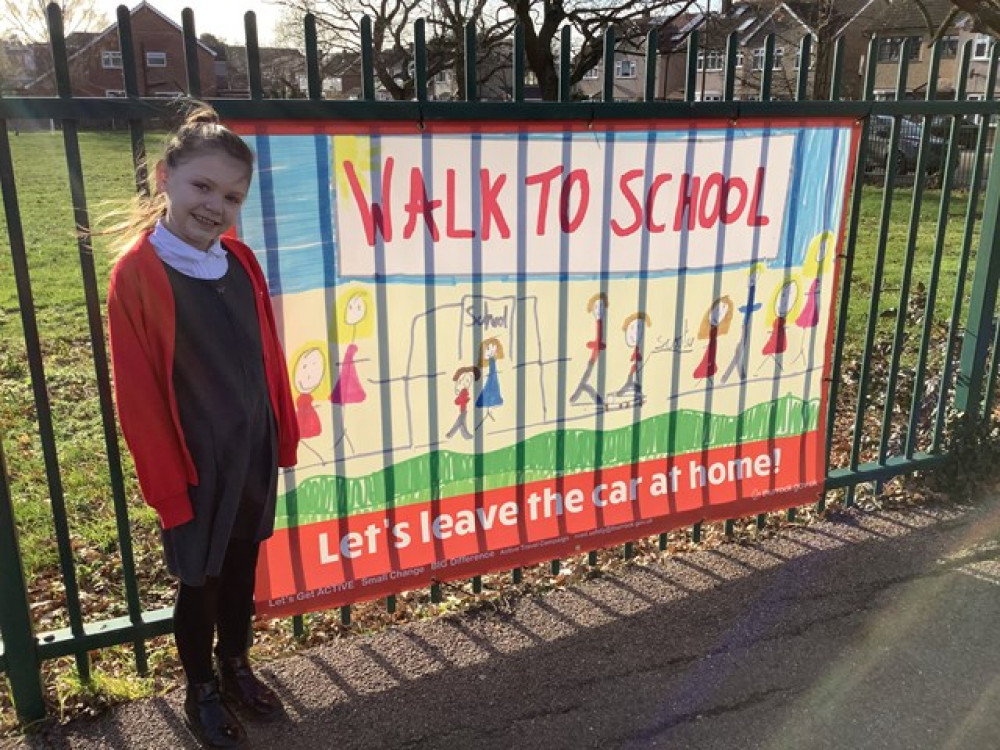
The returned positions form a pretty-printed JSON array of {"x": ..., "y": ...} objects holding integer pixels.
[
  {"x": 542, "y": 20},
  {"x": 27, "y": 19},
  {"x": 338, "y": 25}
]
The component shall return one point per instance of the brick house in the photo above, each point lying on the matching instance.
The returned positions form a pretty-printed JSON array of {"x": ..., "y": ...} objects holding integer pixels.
[
  {"x": 901, "y": 20},
  {"x": 96, "y": 64},
  {"x": 752, "y": 21}
]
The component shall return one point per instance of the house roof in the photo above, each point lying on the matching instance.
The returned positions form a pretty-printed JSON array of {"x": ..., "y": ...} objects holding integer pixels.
[
  {"x": 906, "y": 15},
  {"x": 97, "y": 37}
]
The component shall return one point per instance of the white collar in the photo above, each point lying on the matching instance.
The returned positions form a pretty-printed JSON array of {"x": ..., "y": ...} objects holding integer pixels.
[{"x": 187, "y": 259}]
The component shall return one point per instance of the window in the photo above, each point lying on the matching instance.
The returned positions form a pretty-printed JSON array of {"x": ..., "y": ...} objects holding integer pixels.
[
  {"x": 111, "y": 58},
  {"x": 530, "y": 79},
  {"x": 156, "y": 59},
  {"x": 443, "y": 76},
  {"x": 949, "y": 47},
  {"x": 758, "y": 58},
  {"x": 592, "y": 75},
  {"x": 168, "y": 94},
  {"x": 981, "y": 47},
  {"x": 624, "y": 68},
  {"x": 890, "y": 46},
  {"x": 798, "y": 60},
  {"x": 709, "y": 96},
  {"x": 712, "y": 59},
  {"x": 114, "y": 93},
  {"x": 975, "y": 98},
  {"x": 739, "y": 59}
]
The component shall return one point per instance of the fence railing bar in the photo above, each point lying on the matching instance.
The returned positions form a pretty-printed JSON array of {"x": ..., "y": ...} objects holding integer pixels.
[
  {"x": 991, "y": 379},
  {"x": 561, "y": 385},
  {"x": 608, "y": 61},
  {"x": 191, "y": 53},
  {"x": 649, "y": 90},
  {"x": 608, "y": 95},
  {"x": 850, "y": 243},
  {"x": 16, "y": 628},
  {"x": 105, "y": 633},
  {"x": 691, "y": 67},
  {"x": 521, "y": 320},
  {"x": 837, "y": 69},
  {"x": 938, "y": 255},
  {"x": 420, "y": 60},
  {"x": 767, "y": 75},
  {"x": 879, "y": 472},
  {"x": 732, "y": 54},
  {"x": 971, "y": 216},
  {"x": 909, "y": 257},
  {"x": 876, "y": 289},
  {"x": 135, "y": 124},
  {"x": 98, "y": 347},
  {"x": 517, "y": 63},
  {"x": 46, "y": 108},
  {"x": 254, "y": 74},
  {"x": 367, "y": 61},
  {"x": 805, "y": 60},
  {"x": 43, "y": 406},
  {"x": 313, "y": 75},
  {"x": 430, "y": 292}
]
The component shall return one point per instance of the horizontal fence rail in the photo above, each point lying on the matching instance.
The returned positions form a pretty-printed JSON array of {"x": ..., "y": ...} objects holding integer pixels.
[{"x": 915, "y": 334}]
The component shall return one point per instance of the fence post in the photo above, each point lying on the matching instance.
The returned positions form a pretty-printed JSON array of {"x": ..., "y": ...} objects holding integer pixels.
[
  {"x": 979, "y": 326},
  {"x": 20, "y": 649}
]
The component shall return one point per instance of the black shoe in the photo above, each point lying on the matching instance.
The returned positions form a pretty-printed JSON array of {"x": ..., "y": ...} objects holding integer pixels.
[
  {"x": 209, "y": 718},
  {"x": 241, "y": 687}
]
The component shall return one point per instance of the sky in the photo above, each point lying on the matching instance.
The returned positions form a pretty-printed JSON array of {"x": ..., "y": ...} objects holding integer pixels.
[{"x": 223, "y": 18}]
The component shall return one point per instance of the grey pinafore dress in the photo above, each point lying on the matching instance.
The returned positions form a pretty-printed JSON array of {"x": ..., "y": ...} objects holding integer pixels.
[{"x": 228, "y": 424}]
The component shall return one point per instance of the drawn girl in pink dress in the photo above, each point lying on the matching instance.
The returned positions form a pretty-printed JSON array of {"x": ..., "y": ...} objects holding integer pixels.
[
  {"x": 715, "y": 323},
  {"x": 348, "y": 388},
  {"x": 818, "y": 261},
  {"x": 784, "y": 305},
  {"x": 307, "y": 374}
]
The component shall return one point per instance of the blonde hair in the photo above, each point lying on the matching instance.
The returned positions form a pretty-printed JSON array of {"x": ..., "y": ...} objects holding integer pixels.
[
  {"x": 483, "y": 362},
  {"x": 200, "y": 132},
  {"x": 637, "y": 316},
  {"x": 723, "y": 325},
  {"x": 599, "y": 297}
]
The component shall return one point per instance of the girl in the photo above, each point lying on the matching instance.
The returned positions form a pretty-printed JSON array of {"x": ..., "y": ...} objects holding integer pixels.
[
  {"x": 490, "y": 351},
  {"x": 205, "y": 406},
  {"x": 715, "y": 323}
]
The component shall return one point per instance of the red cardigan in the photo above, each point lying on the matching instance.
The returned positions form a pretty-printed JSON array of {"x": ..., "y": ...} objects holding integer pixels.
[{"x": 141, "y": 327}]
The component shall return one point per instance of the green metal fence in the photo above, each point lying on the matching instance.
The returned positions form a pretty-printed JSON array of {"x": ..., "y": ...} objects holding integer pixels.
[{"x": 925, "y": 351}]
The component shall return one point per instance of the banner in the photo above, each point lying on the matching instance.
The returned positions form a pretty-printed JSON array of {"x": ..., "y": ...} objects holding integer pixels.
[{"x": 513, "y": 342}]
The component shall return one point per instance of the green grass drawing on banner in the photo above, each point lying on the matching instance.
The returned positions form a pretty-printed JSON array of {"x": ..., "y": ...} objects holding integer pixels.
[{"x": 324, "y": 498}]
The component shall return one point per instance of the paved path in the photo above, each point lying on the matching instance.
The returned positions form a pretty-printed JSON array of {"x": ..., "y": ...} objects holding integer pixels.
[{"x": 875, "y": 630}]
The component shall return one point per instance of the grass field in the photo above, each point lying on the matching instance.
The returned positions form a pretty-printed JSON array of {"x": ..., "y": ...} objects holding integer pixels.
[{"x": 47, "y": 219}]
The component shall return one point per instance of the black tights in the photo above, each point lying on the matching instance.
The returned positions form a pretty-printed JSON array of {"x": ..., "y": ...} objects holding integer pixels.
[{"x": 223, "y": 603}]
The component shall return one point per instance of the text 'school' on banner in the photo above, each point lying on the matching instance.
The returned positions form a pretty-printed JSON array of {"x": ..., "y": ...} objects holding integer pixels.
[{"x": 510, "y": 344}]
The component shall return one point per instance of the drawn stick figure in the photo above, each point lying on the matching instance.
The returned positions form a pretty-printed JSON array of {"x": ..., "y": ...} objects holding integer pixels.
[
  {"x": 490, "y": 397},
  {"x": 464, "y": 378},
  {"x": 597, "y": 306}
]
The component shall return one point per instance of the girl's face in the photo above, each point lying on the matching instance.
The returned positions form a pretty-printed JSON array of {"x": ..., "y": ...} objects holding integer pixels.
[
  {"x": 786, "y": 300},
  {"x": 490, "y": 351},
  {"x": 598, "y": 309},
  {"x": 309, "y": 371},
  {"x": 204, "y": 194},
  {"x": 634, "y": 332},
  {"x": 354, "y": 311},
  {"x": 464, "y": 382},
  {"x": 719, "y": 312}
]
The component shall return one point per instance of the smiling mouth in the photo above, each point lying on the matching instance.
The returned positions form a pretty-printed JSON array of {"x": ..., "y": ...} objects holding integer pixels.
[{"x": 205, "y": 222}]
